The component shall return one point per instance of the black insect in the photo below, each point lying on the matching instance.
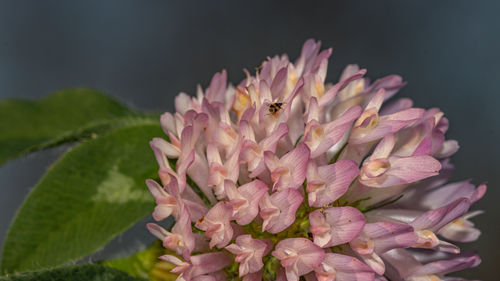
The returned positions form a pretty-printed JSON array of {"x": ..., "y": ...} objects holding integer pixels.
[{"x": 275, "y": 107}]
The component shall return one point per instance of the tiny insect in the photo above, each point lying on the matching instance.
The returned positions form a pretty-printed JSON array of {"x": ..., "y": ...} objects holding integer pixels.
[{"x": 275, "y": 107}]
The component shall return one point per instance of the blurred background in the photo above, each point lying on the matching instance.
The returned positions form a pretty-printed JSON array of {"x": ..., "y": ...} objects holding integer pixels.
[{"x": 145, "y": 52}]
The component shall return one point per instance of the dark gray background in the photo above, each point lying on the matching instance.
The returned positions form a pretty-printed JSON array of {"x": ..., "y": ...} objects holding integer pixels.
[{"x": 145, "y": 52}]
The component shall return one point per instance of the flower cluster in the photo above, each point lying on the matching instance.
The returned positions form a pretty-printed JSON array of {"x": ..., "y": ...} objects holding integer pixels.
[{"x": 286, "y": 176}]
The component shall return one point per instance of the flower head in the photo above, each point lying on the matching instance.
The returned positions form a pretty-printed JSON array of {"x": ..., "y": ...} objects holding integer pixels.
[{"x": 284, "y": 175}]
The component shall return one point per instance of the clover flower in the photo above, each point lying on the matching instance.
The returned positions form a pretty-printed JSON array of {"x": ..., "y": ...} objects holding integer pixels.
[{"x": 286, "y": 176}]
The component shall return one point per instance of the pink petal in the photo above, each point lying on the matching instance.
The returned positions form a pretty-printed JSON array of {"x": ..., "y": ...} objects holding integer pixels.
[
  {"x": 249, "y": 253},
  {"x": 343, "y": 268},
  {"x": 210, "y": 262},
  {"x": 204, "y": 278},
  {"x": 199, "y": 172},
  {"x": 157, "y": 230},
  {"x": 217, "y": 88},
  {"x": 313, "y": 110},
  {"x": 334, "y": 131},
  {"x": 346, "y": 263},
  {"x": 344, "y": 224},
  {"x": 403, "y": 170},
  {"x": 435, "y": 219},
  {"x": 216, "y": 224},
  {"x": 167, "y": 121},
  {"x": 332, "y": 92},
  {"x": 377, "y": 100},
  {"x": 321, "y": 63},
  {"x": 451, "y": 265},
  {"x": 295, "y": 162},
  {"x": 461, "y": 229},
  {"x": 348, "y": 70},
  {"x": 160, "y": 156},
  {"x": 448, "y": 148},
  {"x": 444, "y": 195},
  {"x": 396, "y": 106},
  {"x": 402, "y": 263},
  {"x": 250, "y": 194},
  {"x": 374, "y": 261},
  {"x": 280, "y": 274},
  {"x": 336, "y": 179},
  {"x": 166, "y": 204},
  {"x": 385, "y": 124},
  {"x": 411, "y": 138},
  {"x": 388, "y": 236},
  {"x": 279, "y": 82},
  {"x": 480, "y": 191},
  {"x": 183, "y": 103},
  {"x": 309, "y": 51},
  {"x": 278, "y": 210},
  {"x": 182, "y": 227},
  {"x": 156, "y": 189},
  {"x": 445, "y": 247},
  {"x": 319, "y": 228},
  {"x": 424, "y": 148},
  {"x": 267, "y": 144},
  {"x": 402, "y": 118},
  {"x": 391, "y": 84},
  {"x": 256, "y": 276},
  {"x": 196, "y": 209},
  {"x": 182, "y": 167},
  {"x": 180, "y": 266},
  {"x": 164, "y": 209},
  {"x": 384, "y": 147},
  {"x": 299, "y": 256},
  {"x": 170, "y": 150}
]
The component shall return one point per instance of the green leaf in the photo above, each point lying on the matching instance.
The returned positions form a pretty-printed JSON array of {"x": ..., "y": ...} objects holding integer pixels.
[
  {"x": 145, "y": 264},
  {"x": 93, "y": 193},
  {"x": 69, "y": 115},
  {"x": 91, "y": 272}
]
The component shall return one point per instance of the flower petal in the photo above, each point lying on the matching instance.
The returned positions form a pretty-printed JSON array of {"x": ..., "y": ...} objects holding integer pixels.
[
  {"x": 334, "y": 181},
  {"x": 345, "y": 224},
  {"x": 435, "y": 219},
  {"x": 298, "y": 256}
]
